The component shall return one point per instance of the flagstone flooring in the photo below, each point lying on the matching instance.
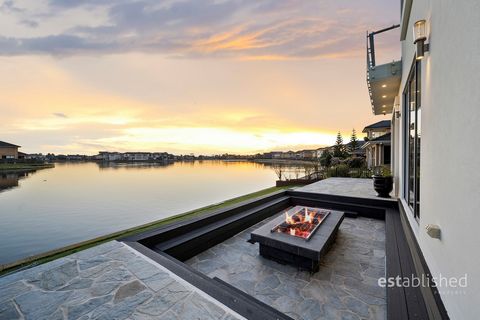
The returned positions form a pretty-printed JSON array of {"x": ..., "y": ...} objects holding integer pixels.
[
  {"x": 110, "y": 281},
  {"x": 344, "y": 288}
]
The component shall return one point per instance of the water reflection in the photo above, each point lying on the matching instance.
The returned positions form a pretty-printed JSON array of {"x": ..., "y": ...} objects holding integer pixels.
[
  {"x": 132, "y": 165},
  {"x": 78, "y": 201},
  {"x": 10, "y": 180}
]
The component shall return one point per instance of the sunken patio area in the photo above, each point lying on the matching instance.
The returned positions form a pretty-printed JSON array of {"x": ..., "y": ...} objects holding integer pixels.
[
  {"x": 345, "y": 287},
  {"x": 204, "y": 268}
]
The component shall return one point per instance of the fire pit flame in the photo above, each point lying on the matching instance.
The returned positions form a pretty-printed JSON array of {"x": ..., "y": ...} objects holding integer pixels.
[{"x": 302, "y": 223}]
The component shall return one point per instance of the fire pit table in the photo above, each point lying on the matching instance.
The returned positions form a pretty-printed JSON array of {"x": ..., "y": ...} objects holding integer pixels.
[{"x": 301, "y": 236}]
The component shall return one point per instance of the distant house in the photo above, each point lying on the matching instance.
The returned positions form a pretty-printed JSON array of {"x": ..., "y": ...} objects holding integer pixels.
[
  {"x": 377, "y": 129},
  {"x": 378, "y": 145},
  {"x": 306, "y": 154},
  {"x": 8, "y": 150},
  {"x": 319, "y": 152}
]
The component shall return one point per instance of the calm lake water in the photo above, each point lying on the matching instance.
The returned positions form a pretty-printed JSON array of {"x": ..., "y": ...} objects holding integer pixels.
[{"x": 73, "y": 202}]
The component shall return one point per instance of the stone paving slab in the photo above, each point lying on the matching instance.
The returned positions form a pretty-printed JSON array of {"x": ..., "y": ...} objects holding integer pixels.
[
  {"x": 109, "y": 281},
  {"x": 349, "y": 187},
  {"x": 344, "y": 288}
]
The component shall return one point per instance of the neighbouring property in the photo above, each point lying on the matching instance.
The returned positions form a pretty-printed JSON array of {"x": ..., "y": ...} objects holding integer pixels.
[
  {"x": 378, "y": 145},
  {"x": 432, "y": 95},
  {"x": 9, "y": 150}
]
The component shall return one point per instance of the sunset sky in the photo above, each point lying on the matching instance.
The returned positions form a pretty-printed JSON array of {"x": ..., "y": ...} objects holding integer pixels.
[{"x": 203, "y": 77}]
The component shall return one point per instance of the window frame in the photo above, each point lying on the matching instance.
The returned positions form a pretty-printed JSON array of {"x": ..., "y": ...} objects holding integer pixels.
[{"x": 414, "y": 75}]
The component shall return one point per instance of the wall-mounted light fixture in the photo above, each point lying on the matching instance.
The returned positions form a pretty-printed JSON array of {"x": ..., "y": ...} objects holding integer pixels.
[{"x": 419, "y": 36}]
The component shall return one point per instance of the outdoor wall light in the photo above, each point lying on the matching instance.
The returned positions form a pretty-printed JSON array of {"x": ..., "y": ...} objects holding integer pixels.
[{"x": 419, "y": 36}]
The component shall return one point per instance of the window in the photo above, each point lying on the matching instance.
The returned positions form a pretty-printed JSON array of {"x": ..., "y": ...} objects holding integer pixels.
[{"x": 412, "y": 125}]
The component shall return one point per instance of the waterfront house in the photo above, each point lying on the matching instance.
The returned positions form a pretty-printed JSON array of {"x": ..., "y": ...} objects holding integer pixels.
[
  {"x": 8, "y": 150},
  {"x": 377, "y": 129},
  {"x": 378, "y": 146},
  {"x": 306, "y": 154},
  {"x": 432, "y": 96},
  {"x": 378, "y": 151}
]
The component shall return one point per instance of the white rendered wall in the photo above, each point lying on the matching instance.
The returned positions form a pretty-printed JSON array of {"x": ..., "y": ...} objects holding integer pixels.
[{"x": 450, "y": 150}]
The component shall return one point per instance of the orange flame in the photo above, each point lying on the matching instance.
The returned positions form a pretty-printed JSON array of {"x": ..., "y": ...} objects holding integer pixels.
[{"x": 288, "y": 219}]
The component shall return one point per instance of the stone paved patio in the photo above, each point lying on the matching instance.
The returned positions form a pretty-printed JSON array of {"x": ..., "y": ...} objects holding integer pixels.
[
  {"x": 350, "y": 187},
  {"x": 110, "y": 281},
  {"x": 344, "y": 288}
]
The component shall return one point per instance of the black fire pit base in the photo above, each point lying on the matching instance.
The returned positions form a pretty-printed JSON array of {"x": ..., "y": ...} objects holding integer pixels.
[
  {"x": 284, "y": 257},
  {"x": 286, "y": 249}
]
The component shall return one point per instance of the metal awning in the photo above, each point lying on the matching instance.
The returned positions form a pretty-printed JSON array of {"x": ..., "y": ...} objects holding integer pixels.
[
  {"x": 383, "y": 80},
  {"x": 383, "y": 85}
]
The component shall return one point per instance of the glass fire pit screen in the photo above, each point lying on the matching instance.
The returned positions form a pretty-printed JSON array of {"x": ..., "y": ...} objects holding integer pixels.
[{"x": 301, "y": 221}]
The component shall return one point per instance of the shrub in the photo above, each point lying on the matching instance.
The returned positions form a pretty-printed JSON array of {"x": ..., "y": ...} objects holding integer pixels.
[
  {"x": 341, "y": 170},
  {"x": 335, "y": 161},
  {"x": 356, "y": 162}
]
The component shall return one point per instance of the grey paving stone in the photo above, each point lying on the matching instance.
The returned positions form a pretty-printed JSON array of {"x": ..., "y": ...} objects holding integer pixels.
[
  {"x": 351, "y": 187},
  {"x": 97, "y": 250},
  {"x": 78, "y": 283},
  {"x": 58, "y": 276},
  {"x": 57, "y": 315},
  {"x": 164, "y": 299},
  {"x": 169, "y": 315},
  {"x": 360, "y": 286},
  {"x": 197, "y": 307},
  {"x": 375, "y": 272},
  {"x": 100, "y": 269},
  {"x": 291, "y": 288},
  {"x": 207, "y": 266},
  {"x": 314, "y": 290},
  {"x": 121, "y": 310},
  {"x": 270, "y": 281},
  {"x": 356, "y": 306},
  {"x": 100, "y": 289},
  {"x": 116, "y": 274},
  {"x": 347, "y": 315},
  {"x": 128, "y": 290},
  {"x": 121, "y": 254},
  {"x": 76, "y": 311},
  {"x": 330, "y": 312},
  {"x": 309, "y": 309},
  {"x": 92, "y": 262},
  {"x": 378, "y": 312},
  {"x": 286, "y": 304},
  {"x": 158, "y": 281},
  {"x": 368, "y": 299},
  {"x": 12, "y": 290},
  {"x": 8, "y": 311},
  {"x": 142, "y": 269},
  {"x": 37, "y": 305}
]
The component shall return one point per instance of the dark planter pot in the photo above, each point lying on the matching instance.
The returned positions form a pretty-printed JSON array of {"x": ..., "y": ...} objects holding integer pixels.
[{"x": 383, "y": 186}]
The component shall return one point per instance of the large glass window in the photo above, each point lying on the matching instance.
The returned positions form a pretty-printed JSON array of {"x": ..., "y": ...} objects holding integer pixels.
[{"x": 412, "y": 112}]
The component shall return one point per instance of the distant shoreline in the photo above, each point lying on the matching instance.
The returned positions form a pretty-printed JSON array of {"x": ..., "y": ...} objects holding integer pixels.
[{"x": 23, "y": 167}]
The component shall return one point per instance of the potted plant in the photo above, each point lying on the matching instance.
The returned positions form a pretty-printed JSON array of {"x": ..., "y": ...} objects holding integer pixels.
[{"x": 383, "y": 181}]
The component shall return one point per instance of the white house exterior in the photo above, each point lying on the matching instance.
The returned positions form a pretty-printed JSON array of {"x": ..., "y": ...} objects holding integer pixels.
[
  {"x": 378, "y": 147},
  {"x": 435, "y": 108}
]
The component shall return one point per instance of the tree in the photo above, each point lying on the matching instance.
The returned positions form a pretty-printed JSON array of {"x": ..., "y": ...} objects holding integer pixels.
[
  {"x": 338, "y": 149},
  {"x": 353, "y": 141},
  {"x": 326, "y": 158},
  {"x": 279, "y": 171}
]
